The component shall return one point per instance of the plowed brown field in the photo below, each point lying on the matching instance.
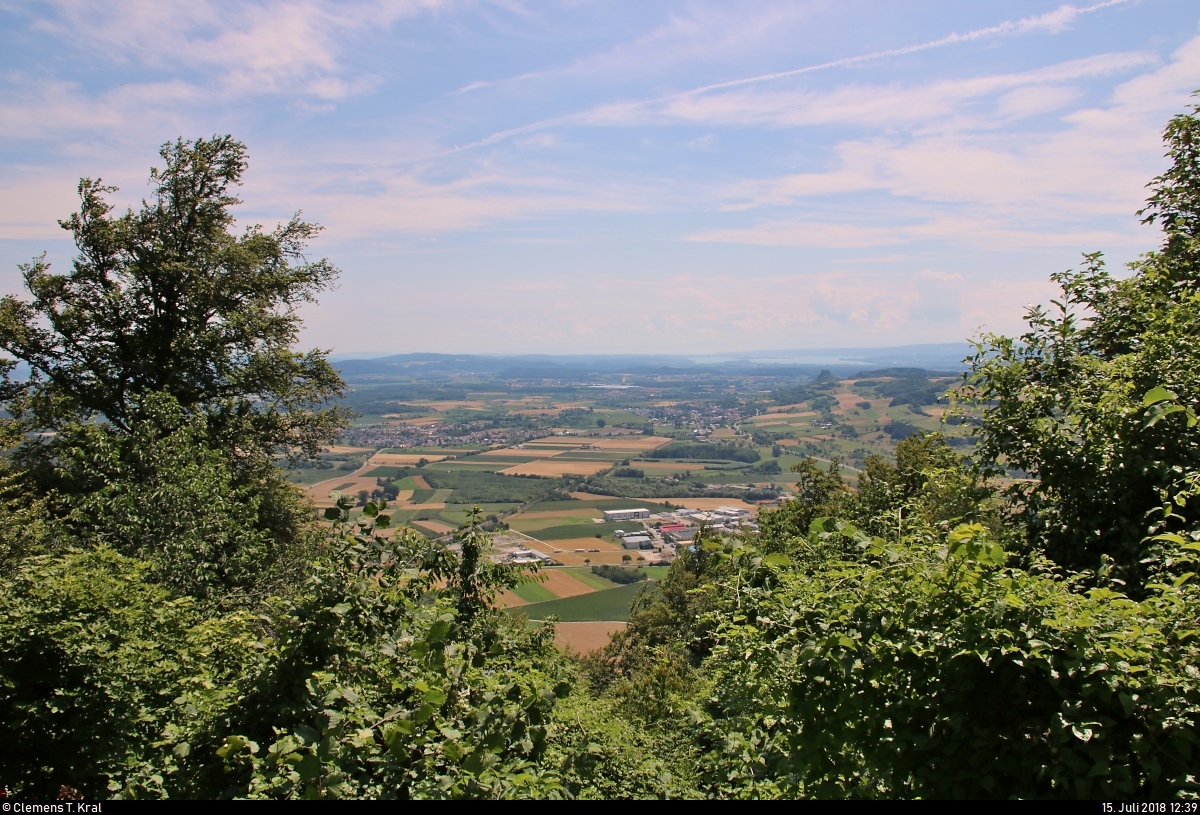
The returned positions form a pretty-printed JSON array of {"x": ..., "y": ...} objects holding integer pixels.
[{"x": 585, "y": 637}]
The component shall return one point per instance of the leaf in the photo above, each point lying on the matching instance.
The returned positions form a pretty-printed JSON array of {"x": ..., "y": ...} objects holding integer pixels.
[
  {"x": 1167, "y": 411},
  {"x": 777, "y": 559},
  {"x": 309, "y": 768},
  {"x": 1156, "y": 395},
  {"x": 438, "y": 631}
]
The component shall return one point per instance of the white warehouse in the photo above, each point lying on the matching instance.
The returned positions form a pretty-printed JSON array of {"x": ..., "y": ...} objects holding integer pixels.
[{"x": 626, "y": 514}]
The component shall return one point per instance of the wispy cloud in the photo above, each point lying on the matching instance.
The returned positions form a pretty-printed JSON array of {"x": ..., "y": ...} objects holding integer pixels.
[
  {"x": 251, "y": 48},
  {"x": 687, "y": 104},
  {"x": 970, "y": 182}
]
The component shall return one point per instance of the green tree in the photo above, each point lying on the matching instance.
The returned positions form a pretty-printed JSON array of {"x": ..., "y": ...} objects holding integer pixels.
[
  {"x": 1091, "y": 400},
  {"x": 928, "y": 485},
  {"x": 162, "y": 366},
  {"x": 818, "y": 493},
  {"x": 168, "y": 299}
]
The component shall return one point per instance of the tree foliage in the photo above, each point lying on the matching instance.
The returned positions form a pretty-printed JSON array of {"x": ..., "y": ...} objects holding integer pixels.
[
  {"x": 169, "y": 300},
  {"x": 1080, "y": 401}
]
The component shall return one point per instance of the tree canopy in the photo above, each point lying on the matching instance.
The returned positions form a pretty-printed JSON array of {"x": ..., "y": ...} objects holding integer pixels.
[{"x": 169, "y": 300}]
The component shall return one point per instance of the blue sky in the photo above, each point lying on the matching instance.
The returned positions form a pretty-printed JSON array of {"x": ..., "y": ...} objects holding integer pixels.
[{"x": 602, "y": 177}]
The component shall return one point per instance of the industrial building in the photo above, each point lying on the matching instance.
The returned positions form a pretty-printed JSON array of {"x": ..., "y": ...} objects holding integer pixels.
[{"x": 626, "y": 515}]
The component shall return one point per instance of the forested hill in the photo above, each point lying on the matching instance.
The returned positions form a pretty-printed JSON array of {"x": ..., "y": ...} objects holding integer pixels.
[{"x": 176, "y": 623}]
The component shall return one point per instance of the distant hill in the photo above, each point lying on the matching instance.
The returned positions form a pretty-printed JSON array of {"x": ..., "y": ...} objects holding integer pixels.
[{"x": 799, "y": 364}]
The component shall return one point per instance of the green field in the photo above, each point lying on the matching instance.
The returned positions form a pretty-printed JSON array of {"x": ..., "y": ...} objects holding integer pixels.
[
  {"x": 387, "y": 472},
  {"x": 308, "y": 477},
  {"x": 584, "y": 575},
  {"x": 532, "y": 592},
  {"x": 584, "y": 530},
  {"x": 601, "y": 504},
  {"x": 612, "y": 604},
  {"x": 475, "y": 465}
]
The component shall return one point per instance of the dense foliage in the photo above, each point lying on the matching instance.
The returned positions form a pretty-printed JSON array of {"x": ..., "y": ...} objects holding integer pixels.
[
  {"x": 705, "y": 452},
  {"x": 619, "y": 574}
]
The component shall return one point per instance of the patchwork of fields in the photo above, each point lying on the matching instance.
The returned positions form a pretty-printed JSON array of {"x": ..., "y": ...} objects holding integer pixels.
[{"x": 549, "y": 488}]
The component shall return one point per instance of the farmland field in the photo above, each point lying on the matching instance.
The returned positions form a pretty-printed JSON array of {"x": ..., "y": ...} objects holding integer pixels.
[
  {"x": 533, "y": 592},
  {"x": 583, "y": 638},
  {"x": 556, "y": 467},
  {"x": 585, "y": 575},
  {"x": 611, "y": 604}
]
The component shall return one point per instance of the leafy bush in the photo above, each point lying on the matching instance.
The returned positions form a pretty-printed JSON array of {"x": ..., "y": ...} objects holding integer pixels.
[
  {"x": 934, "y": 671},
  {"x": 619, "y": 574},
  {"x": 900, "y": 430},
  {"x": 711, "y": 452}
]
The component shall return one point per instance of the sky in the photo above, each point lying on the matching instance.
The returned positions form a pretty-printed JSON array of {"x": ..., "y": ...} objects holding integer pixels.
[{"x": 623, "y": 177}]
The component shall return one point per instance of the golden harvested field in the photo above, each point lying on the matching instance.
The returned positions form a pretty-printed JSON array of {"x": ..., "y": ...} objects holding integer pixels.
[
  {"x": 436, "y": 527},
  {"x": 846, "y": 400},
  {"x": 401, "y": 459},
  {"x": 421, "y": 420},
  {"x": 724, "y": 433},
  {"x": 339, "y": 448},
  {"x": 585, "y": 637},
  {"x": 420, "y": 481},
  {"x": 632, "y": 443},
  {"x": 513, "y": 452},
  {"x": 708, "y": 503},
  {"x": 553, "y": 468},
  {"x": 562, "y": 584},
  {"x": 401, "y": 497}
]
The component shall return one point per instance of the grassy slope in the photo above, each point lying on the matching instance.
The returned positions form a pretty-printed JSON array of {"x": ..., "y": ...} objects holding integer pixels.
[
  {"x": 612, "y": 604},
  {"x": 534, "y": 593},
  {"x": 584, "y": 575}
]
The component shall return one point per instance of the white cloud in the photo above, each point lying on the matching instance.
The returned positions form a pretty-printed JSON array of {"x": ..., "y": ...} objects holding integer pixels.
[
  {"x": 974, "y": 179},
  {"x": 251, "y": 48}
]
